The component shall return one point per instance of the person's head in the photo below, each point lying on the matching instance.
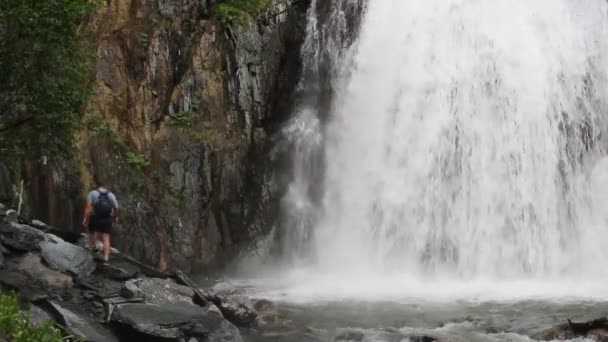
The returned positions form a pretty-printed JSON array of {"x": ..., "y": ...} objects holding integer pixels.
[{"x": 100, "y": 183}]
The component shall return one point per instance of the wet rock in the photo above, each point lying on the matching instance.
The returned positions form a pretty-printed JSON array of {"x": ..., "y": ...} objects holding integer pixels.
[
  {"x": 599, "y": 335},
  {"x": 422, "y": 339},
  {"x": 11, "y": 216},
  {"x": 157, "y": 291},
  {"x": 66, "y": 257},
  {"x": 238, "y": 310},
  {"x": 175, "y": 321},
  {"x": 267, "y": 311},
  {"x": 560, "y": 332},
  {"x": 39, "y": 225},
  {"x": 21, "y": 237},
  {"x": 31, "y": 264},
  {"x": 81, "y": 327},
  {"x": 350, "y": 336},
  {"x": 266, "y": 307}
]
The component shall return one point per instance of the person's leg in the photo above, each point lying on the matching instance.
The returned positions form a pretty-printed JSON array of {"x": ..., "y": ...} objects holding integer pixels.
[
  {"x": 106, "y": 246},
  {"x": 94, "y": 239},
  {"x": 98, "y": 241}
]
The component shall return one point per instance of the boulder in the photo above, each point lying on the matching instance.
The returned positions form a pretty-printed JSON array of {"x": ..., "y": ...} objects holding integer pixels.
[
  {"x": 21, "y": 237},
  {"x": 157, "y": 291},
  {"x": 238, "y": 310},
  {"x": 11, "y": 216},
  {"x": 66, "y": 257},
  {"x": 13, "y": 280},
  {"x": 31, "y": 265},
  {"x": 81, "y": 327},
  {"x": 266, "y": 307},
  {"x": 39, "y": 316},
  {"x": 267, "y": 311},
  {"x": 39, "y": 225},
  {"x": 174, "y": 321},
  {"x": 422, "y": 339},
  {"x": 131, "y": 290},
  {"x": 598, "y": 335},
  {"x": 559, "y": 332}
]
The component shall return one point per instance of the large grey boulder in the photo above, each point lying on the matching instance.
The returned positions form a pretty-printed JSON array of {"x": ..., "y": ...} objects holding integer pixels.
[
  {"x": 11, "y": 216},
  {"x": 157, "y": 291},
  {"x": 66, "y": 257},
  {"x": 31, "y": 265},
  {"x": 174, "y": 321},
  {"x": 21, "y": 237},
  {"x": 238, "y": 310}
]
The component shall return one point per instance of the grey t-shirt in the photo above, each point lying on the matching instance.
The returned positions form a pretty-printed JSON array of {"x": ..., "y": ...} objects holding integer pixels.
[{"x": 94, "y": 195}]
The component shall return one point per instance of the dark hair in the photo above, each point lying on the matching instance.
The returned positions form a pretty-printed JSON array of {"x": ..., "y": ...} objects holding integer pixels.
[{"x": 99, "y": 182}]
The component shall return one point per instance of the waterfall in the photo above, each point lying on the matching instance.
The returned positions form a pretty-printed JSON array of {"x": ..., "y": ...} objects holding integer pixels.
[
  {"x": 462, "y": 139},
  {"x": 330, "y": 31}
]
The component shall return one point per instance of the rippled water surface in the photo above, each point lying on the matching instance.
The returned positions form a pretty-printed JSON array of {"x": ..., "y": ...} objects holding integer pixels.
[{"x": 456, "y": 321}]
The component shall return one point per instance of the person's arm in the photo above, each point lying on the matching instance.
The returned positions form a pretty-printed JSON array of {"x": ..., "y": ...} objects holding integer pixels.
[
  {"x": 88, "y": 207},
  {"x": 116, "y": 208}
]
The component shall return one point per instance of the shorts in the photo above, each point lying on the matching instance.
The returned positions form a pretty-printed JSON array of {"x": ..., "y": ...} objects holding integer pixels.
[{"x": 101, "y": 224}]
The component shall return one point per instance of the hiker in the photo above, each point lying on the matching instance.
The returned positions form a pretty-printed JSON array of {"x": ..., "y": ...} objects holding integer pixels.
[{"x": 100, "y": 211}]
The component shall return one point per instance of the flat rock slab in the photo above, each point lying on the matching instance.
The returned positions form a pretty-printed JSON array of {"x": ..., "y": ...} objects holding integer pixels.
[
  {"x": 176, "y": 321},
  {"x": 82, "y": 327},
  {"x": 117, "y": 273},
  {"x": 66, "y": 257},
  {"x": 31, "y": 264},
  {"x": 158, "y": 291}
]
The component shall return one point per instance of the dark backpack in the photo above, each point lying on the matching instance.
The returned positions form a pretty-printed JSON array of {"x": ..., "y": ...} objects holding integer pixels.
[{"x": 103, "y": 206}]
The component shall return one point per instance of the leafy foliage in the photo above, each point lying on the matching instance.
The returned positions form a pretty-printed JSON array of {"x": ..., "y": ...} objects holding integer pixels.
[
  {"x": 15, "y": 325},
  {"x": 45, "y": 66},
  {"x": 237, "y": 11},
  {"x": 137, "y": 160}
]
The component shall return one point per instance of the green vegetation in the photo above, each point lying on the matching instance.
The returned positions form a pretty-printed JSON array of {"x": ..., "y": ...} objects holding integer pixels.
[
  {"x": 45, "y": 67},
  {"x": 136, "y": 160},
  {"x": 143, "y": 40},
  {"x": 237, "y": 11},
  {"x": 15, "y": 325},
  {"x": 182, "y": 119},
  {"x": 98, "y": 126}
]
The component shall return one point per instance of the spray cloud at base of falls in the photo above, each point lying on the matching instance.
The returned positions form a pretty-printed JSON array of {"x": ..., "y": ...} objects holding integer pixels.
[{"x": 463, "y": 139}]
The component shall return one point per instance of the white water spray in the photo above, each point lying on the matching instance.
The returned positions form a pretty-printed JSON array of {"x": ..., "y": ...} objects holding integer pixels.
[{"x": 467, "y": 142}]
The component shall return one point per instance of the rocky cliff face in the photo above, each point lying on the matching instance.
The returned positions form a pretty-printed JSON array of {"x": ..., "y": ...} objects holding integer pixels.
[{"x": 179, "y": 124}]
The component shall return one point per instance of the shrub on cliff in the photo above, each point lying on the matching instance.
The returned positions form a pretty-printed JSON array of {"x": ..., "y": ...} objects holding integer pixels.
[
  {"x": 44, "y": 74},
  {"x": 236, "y": 11},
  {"x": 16, "y": 327}
]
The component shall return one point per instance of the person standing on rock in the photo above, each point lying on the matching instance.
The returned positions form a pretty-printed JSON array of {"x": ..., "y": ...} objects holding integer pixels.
[{"x": 100, "y": 211}]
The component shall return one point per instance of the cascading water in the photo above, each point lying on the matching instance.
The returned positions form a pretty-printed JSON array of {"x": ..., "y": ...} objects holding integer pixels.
[
  {"x": 330, "y": 32},
  {"x": 465, "y": 139}
]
